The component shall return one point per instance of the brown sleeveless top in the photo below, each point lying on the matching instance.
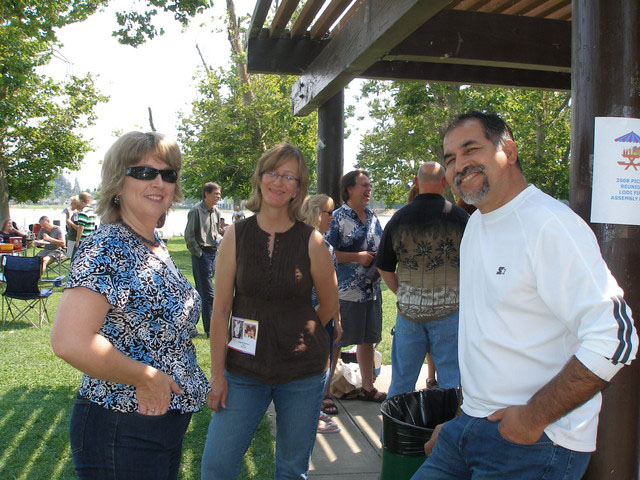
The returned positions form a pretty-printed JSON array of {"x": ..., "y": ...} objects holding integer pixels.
[{"x": 276, "y": 291}]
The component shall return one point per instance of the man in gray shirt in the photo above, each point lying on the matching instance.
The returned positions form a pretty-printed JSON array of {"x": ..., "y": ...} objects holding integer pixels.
[
  {"x": 202, "y": 236},
  {"x": 54, "y": 242}
]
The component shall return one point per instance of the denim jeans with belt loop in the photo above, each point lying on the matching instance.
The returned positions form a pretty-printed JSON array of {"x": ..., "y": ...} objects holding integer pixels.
[
  {"x": 470, "y": 448},
  {"x": 231, "y": 430},
  {"x": 111, "y": 445}
]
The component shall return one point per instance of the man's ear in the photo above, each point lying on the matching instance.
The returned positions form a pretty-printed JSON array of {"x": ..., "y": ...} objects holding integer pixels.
[
  {"x": 511, "y": 151},
  {"x": 415, "y": 181}
]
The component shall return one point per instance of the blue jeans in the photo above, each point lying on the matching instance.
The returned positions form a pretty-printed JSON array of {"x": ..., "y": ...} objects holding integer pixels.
[
  {"x": 109, "y": 445},
  {"x": 473, "y": 448},
  {"x": 231, "y": 430},
  {"x": 412, "y": 341},
  {"x": 204, "y": 268}
]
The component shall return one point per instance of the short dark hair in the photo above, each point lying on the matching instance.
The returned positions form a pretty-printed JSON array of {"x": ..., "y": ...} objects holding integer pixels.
[
  {"x": 209, "y": 187},
  {"x": 348, "y": 180},
  {"x": 495, "y": 128}
]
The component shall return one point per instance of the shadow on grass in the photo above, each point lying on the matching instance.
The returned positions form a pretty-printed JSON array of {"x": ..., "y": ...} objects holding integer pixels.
[
  {"x": 258, "y": 462},
  {"x": 34, "y": 438},
  {"x": 34, "y": 433},
  {"x": 17, "y": 325}
]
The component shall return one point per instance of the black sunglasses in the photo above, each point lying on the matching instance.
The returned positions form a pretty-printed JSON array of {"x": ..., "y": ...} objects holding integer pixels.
[{"x": 150, "y": 173}]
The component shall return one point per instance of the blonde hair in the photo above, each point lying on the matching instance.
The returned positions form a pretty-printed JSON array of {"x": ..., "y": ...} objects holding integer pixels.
[
  {"x": 75, "y": 199},
  {"x": 128, "y": 150},
  {"x": 311, "y": 211},
  {"x": 271, "y": 160}
]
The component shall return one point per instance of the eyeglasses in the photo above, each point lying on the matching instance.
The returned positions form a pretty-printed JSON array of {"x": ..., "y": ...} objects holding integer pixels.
[
  {"x": 272, "y": 176},
  {"x": 328, "y": 212},
  {"x": 149, "y": 173}
]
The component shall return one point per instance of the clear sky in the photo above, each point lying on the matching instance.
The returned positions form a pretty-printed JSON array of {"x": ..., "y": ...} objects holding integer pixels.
[{"x": 158, "y": 74}]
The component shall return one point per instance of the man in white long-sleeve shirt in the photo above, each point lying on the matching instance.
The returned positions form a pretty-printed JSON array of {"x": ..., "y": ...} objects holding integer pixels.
[{"x": 543, "y": 323}]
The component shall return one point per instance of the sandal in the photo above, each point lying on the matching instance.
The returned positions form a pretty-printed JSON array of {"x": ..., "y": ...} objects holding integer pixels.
[
  {"x": 372, "y": 395},
  {"x": 328, "y": 406},
  {"x": 351, "y": 395},
  {"x": 432, "y": 383},
  {"x": 328, "y": 427}
]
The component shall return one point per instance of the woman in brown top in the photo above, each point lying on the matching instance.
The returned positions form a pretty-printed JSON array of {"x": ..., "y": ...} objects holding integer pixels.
[{"x": 276, "y": 349}]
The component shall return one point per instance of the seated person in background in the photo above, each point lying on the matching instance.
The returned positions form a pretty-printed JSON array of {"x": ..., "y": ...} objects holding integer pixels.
[
  {"x": 53, "y": 235},
  {"x": 238, "y": 214},
  {"x": 10, "y": 229}
]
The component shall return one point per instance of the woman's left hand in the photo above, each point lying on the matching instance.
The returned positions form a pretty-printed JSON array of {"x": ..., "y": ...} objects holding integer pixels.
[
  {"x": 154, "y": 395},
  {"x": 217, "y": 396},
  {"x": 337, "y": 331}
]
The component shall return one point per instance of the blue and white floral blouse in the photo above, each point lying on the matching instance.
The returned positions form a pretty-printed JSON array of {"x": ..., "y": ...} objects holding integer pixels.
[
  {"x": 152, "y": 317},
  {"x": 348, "y": 233}
]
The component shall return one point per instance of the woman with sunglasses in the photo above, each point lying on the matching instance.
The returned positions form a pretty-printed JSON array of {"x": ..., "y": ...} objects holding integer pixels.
[
  {"x": 278, "y": 349},
  {"x": 125, "y": 320}
]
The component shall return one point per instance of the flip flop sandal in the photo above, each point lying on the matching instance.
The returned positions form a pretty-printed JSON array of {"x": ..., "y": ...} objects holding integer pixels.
[
  {"x": 324, "y": 417},
  {"x": 328, "y": 427},
  {"x": 372, "y": 396},
  {"x": 328, "y": 406}
]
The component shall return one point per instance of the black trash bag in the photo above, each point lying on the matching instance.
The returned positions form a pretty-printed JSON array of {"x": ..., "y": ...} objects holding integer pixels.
[{"x": 408, "y": 419}]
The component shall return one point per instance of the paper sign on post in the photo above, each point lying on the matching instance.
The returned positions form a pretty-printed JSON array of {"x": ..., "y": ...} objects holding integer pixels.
[{"x": 616, "y": 171}]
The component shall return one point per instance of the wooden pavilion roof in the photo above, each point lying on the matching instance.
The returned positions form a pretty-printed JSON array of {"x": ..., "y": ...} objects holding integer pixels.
[{"x": 522, "y": 43}]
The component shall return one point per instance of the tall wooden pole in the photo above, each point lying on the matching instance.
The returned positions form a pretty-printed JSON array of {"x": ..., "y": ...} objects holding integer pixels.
[
  {"x": 331, "y": 146},
  {"x": 605, "y": 82}
]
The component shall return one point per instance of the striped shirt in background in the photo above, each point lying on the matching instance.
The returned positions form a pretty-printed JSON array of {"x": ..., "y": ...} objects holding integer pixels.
[{"x": 87, "y": 219}]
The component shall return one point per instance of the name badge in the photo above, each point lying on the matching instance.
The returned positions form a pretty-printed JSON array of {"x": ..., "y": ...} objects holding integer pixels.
[{"x": 244, "y": 335}]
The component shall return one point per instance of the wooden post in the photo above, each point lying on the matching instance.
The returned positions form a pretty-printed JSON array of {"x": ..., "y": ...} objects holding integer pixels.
[
  {"x": 331, "y": 146},
  {"x": 606, "y": 83}
]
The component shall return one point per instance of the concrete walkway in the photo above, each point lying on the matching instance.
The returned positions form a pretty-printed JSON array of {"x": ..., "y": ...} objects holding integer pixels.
[{"x": 355, "y": 452}]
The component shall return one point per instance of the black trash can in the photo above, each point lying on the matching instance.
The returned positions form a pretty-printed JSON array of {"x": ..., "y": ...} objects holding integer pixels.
[{"x": 408, "y": 421}]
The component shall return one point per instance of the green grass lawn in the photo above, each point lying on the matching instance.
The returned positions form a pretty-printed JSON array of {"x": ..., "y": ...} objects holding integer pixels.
[{"x": 37, "y": 391}]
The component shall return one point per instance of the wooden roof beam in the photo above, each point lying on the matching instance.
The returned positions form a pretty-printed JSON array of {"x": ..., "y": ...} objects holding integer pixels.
[
  {"x": 260, "y": 13},
  {"x": 328, "y": 18},
  {"x": 523, "y": 7},
  {"x": 490, "y": 39},
  {"x": 375, "y": 28},
  {"x": 282, "y": 17},
  {"x": 468, "y": 75},
  {"x": 345, "y": 18},
  {"x": 308, "y": 13},
  {"x": 551, "y": 10},
  {"x": 496, "y": 6}
]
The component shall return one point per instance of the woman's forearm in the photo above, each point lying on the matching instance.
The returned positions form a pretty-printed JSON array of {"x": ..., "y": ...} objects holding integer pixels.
[
  {"x": 218, "y": 342},
  {"x": 97, "y": 357}
]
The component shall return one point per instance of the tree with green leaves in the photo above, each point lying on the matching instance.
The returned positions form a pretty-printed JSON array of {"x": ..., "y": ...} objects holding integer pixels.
[
  {"x": 40, "y": 118},
  {"x": 224, "y": 136},
  {"x": 136, "y": 27},
  {"x": 235, "y": 120},
  {"x": 409, "y": 117}
]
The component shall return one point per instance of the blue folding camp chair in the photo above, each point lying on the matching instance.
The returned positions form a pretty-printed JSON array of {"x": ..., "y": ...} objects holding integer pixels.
[{"x": 22, "y": 275}]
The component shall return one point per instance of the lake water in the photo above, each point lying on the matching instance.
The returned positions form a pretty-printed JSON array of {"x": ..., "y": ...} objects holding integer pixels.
[{"x": 173, "y": 227}]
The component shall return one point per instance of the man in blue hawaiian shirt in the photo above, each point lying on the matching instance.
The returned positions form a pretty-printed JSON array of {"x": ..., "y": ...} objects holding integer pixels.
[{"x": 355, "y": 234}]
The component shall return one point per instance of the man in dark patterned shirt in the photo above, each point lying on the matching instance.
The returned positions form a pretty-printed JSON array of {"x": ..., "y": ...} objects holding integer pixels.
[
  {"x": 419, "y": 260},
  {"x": 202, "y": 236}
]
